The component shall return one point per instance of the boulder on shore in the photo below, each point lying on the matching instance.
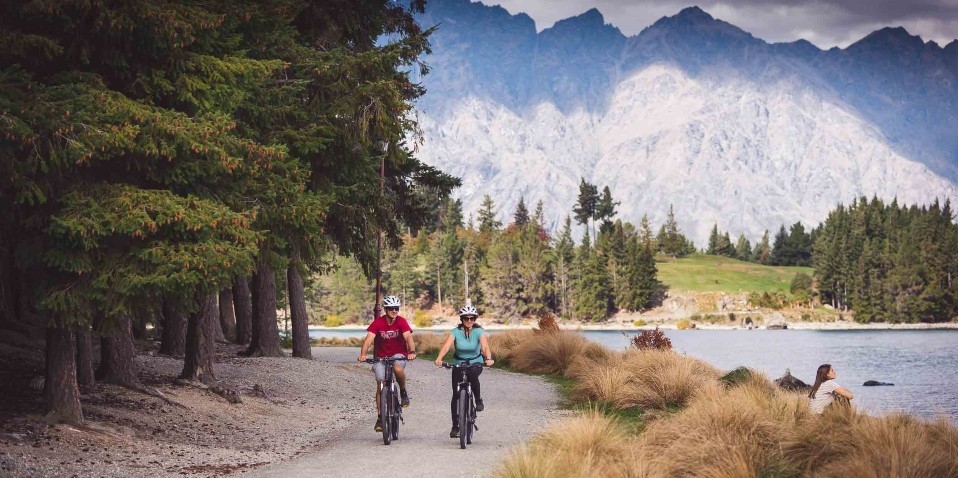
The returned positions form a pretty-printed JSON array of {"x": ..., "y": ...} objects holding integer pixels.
[{"x": 792, "y": 384}]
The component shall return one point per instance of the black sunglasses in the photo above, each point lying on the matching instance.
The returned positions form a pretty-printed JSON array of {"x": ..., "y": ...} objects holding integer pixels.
[
  {"x": 469, "y": 317},
  {"x": 392, "y": 309}
]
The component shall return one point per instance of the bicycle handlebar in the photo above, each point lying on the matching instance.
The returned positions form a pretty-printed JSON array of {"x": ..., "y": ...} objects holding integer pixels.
[
  {"x": 462, "y": 365},
  {"x": 385, "y": 360}
]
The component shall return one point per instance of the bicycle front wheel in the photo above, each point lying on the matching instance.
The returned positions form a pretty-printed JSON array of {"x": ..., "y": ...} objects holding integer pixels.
[
  {"x": 463, "y": 408},
  {"x": 384, "y": 398},
  {"x": 395, "y": 413}
]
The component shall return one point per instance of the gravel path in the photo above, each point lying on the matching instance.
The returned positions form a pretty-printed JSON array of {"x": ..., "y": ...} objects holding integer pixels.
[{"x": 517, "y": 407}]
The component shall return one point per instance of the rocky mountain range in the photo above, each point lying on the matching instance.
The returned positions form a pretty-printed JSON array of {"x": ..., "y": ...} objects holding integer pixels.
[{"x": 692, "y": 112}]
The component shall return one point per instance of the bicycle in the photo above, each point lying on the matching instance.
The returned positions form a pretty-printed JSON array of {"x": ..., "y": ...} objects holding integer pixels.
[
  {"x": 465, "y": 404},
  {"x": 390, "y": 408}
]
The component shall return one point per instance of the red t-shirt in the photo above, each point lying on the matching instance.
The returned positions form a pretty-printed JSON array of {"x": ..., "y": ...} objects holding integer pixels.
[{"x": 389, "y": 339}]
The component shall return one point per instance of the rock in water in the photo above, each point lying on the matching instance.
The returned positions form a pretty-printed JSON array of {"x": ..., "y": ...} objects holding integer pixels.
[
  {"x": 875, "y": 383},
  {"x": 790, "y": 383}
]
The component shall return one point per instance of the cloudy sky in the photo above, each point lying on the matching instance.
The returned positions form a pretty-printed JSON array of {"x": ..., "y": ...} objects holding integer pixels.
[{"x": 826, "y": 23}]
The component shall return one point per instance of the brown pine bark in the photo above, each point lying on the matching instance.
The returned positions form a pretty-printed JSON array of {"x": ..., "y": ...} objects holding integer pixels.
[
  {"x": 243, "y": 302},
  {"x": 84, "y": 346},
  {"x": 297, "y": 306},
  {"x": 61, "y": 391},
  {"x": 265, "y": 340},
  {"x": 173, "y": 339},
  {"x": 227, "y": 316},
  {"x": 8, "y": 291},
  {"x": 200, "y": 346},
  {"x": 139, "y": 329},
  {"x": 117, "y": 354}
]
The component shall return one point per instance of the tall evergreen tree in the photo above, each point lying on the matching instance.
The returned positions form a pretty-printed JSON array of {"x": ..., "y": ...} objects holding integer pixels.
[
  {"x": 487, "y": 216},
  {"x": 605, "y": 209},
  {"x": 521, "y": 216},
  {"x": 586, "y": 204},
  {"x": 743, "y": 248}
]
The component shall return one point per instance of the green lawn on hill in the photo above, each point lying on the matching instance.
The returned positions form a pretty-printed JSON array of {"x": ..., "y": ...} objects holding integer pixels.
[{"x": 705, "y": 273}]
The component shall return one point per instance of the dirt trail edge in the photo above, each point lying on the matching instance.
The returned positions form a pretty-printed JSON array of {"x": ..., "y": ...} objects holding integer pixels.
[{"x": 517, "y": 408}]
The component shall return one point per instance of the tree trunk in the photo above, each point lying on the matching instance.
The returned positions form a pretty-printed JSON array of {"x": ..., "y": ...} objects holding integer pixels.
[
  {"x": 84, "y": 346},
  {"x": 139, "y": 329},
  {"x": 243, "y": 302},
  {"x": 8, "y": 290},
  {"x": 117, "y": 354},
  {"x": 218, "y": 335},
  {"x": 173, "y": 342},
  {"x": 61, "y": 391},
  {"x": 200, "y": 346},
  {"x": 227, "y": 316},
  {"x": 265, "y": 340},
  {"x": 297, "y": 306}
]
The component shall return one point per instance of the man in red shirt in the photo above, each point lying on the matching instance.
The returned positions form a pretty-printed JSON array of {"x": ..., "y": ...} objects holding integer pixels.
[{"x": 393, "y": 338}]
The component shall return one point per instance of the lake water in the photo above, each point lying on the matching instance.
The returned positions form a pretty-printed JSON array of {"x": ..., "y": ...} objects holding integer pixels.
[{"x": 923, "y": 364}]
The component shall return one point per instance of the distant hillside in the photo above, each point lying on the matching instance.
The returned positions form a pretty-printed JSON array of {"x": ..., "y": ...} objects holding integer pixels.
[{"x": 704, "y": 273}]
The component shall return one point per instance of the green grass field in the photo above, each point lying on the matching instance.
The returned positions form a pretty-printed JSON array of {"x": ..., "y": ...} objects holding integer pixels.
[{"x": 703, "y": 273}]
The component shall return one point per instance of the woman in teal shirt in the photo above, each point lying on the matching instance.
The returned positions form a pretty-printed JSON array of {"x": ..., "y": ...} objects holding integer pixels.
[{"x": 471, "y": 347}]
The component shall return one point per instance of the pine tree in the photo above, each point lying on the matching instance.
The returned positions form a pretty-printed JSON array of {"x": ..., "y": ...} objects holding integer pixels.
[
  {"x": 743, "y": 248},
  {"x": 521, "y": 216},
  {"x": 487, "y": 216},
  {"x": 713, "y": 240},
  {"x": 586, "y": 204},
  {"x": 564, "y": 252},
  {"x": 605, "y": 210},
  {"x": 762, "y": 253}
]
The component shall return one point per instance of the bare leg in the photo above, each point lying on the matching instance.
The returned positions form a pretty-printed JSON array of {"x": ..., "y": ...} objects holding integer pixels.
[
  {"x": 379, "y": 385},
  {"x": 400, "y": 376}
]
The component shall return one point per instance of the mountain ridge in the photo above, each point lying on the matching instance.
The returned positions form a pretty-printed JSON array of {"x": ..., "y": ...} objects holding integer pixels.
[{"x": 571, "y": 78}]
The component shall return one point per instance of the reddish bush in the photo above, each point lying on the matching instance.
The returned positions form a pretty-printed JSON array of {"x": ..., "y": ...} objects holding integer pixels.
[
  {"x": 652, "y": 339},
  {"x": 548, "y": 324}
]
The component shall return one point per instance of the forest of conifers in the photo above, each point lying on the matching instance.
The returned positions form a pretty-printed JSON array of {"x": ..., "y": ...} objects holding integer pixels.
[
  {"x": 158, "y": 159},
  {"x": 884, "y": 261}
]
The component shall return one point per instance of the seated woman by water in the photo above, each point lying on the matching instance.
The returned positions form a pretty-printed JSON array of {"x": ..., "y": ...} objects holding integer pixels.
[{"x": 826, "y": 390}]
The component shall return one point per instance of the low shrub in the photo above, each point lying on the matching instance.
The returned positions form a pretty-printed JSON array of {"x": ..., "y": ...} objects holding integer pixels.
[
  {"x": 684, "y": 324},
  {"x": 639, "y": 323},
  {"x": 651, "y": 339},
  {"x": 421, "y": 319},
  {"x": 333, "y": 320},
  {"x": 547, "y": 324}
]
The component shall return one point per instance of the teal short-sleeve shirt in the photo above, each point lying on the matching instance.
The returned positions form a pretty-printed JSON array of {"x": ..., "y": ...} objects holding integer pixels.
[{"x": 467, "y": 349}]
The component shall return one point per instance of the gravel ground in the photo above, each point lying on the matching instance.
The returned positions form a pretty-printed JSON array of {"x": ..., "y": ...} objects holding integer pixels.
[
  {"x": 517, "y": 407},
  {"x": 314, "y": 419},
  {"x": 129, "y": 434}
]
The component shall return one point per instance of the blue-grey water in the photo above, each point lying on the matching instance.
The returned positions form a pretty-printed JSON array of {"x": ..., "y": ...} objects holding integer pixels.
[{"x": 923, "y": 364}]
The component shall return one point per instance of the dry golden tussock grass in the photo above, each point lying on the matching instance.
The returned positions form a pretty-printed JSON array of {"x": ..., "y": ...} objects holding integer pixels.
[
  {"x": 555, "y": 352},
  {"x": 750, "y": 428},
  {"x": 428, "y": 342},
  {"x": 845, "y": 442},
  {"x": 588, "y": 445},
  {"x": 502, "y": 344},
  {"x": 656, "y": 379}
]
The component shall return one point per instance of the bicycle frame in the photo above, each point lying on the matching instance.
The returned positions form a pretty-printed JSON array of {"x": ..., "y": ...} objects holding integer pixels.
[
  {"x": 389, "y": 407},
  {"x": 466, "y": 407}
]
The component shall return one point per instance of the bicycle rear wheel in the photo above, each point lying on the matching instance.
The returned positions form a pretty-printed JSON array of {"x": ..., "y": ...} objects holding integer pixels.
[
  {"x": 463, "y": 408},
  {"x": 384, "y": 398}
]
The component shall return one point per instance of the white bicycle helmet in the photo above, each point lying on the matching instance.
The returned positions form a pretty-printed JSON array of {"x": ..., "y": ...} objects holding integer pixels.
[
  {"x": 391, "y": 301},
  {"x": 468, "y": 310}
]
